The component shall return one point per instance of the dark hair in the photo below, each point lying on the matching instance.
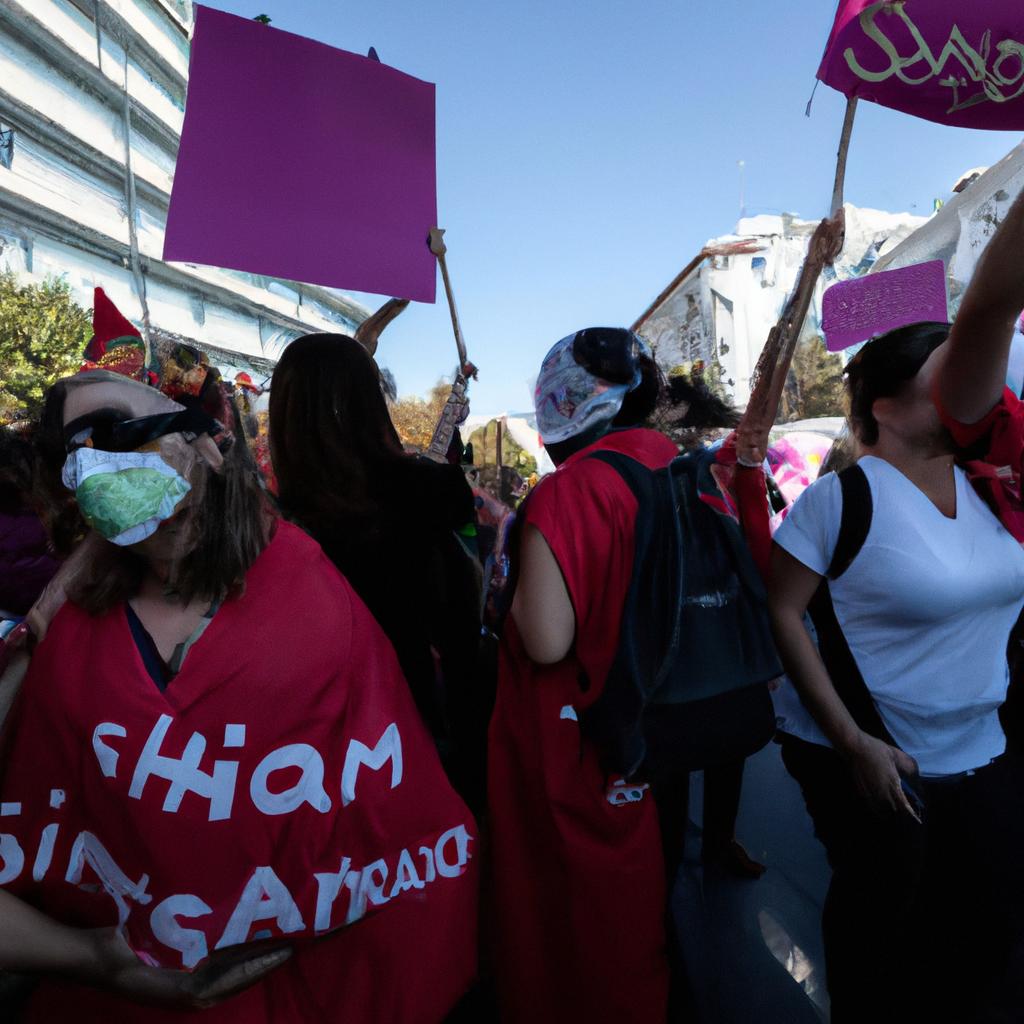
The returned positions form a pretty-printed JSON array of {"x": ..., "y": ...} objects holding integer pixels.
[
  {"x": 884, "y": 367},
  {"x": 639, "y": 404},
  {"x": 331, "y": 436},
  {"x": 704, "y": 409},
  {"x": 16, "y": 473},
  {"x": 230, "y": 516},
  {"x": 22, "y": 488}
]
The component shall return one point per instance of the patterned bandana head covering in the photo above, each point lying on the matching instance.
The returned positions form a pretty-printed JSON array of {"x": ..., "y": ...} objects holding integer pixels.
[{"x": 584, "y": 380}]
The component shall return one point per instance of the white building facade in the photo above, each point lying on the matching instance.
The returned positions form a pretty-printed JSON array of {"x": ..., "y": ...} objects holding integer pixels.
[
  {"x": 92, "y": 96},
  {"x": 720, "y": 308}
]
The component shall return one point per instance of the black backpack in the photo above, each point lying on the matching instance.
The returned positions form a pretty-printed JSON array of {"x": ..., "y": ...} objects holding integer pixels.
[{"x": 687, "y": 689}]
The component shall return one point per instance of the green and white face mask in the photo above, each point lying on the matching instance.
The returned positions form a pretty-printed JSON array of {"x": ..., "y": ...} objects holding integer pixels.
[{"x": 124, "y": 496}]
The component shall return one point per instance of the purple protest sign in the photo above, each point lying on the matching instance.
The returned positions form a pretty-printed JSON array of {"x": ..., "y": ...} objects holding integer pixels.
[
  {"x": 944, "y": 60},
  {"x": 305, "y": 162},
  {"x": 853, "y": 311}
]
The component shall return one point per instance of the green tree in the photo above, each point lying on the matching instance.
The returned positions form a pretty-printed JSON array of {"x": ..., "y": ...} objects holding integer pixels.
[
  {"x": 43, "y": 333},
  {"x": 484, "y": 440},
  {"x": 814, "y": 386},
  {"x": 416, "y": 419}
]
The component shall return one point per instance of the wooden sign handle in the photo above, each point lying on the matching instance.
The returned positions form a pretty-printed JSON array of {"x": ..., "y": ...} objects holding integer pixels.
[{"x": 439, "y": 249}]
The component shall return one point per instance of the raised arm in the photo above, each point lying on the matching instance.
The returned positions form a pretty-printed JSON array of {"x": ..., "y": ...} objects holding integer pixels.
[
  {"x": 972, "y": 377},
  {"x": 875, "y": 765}
]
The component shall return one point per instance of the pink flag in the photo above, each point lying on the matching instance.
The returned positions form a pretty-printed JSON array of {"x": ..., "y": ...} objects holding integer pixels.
[
  {"x": 949, "y": 61},
  {"x": 305, "y": 162},
  {"x": 865, "y": 307}
]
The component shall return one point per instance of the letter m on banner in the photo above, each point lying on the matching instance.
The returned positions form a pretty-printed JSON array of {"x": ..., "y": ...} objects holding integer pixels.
[{"x": 944, "y": 60}]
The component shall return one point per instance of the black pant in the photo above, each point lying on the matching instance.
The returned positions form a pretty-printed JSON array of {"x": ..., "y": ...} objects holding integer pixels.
[
  {"x": 722, "y": 787},
  {"x": 921, "y": 922}
]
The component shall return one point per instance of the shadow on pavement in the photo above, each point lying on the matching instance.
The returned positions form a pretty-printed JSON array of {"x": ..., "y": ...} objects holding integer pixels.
[{"x": 752, "y": 949}]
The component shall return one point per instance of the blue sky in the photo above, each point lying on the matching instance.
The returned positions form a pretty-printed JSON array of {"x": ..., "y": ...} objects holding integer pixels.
[{"x": 588, "y": 148}]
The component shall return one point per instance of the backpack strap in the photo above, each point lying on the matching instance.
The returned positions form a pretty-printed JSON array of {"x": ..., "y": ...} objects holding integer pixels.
[
  {"x": 854, "y": 527},
  {"x": 635, "y": 474},
  {"x": 641, "y": 481},
  {"x": 855, "y": 522}
]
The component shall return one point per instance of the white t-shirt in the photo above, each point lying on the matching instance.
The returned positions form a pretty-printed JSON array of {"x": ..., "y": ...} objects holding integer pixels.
[{"x": 926, "y": 608}]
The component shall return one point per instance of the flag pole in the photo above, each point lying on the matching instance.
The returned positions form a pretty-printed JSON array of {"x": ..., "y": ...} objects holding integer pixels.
[
  {"x": 844, "y": 152},
  {"x": 769, "y": 377}
]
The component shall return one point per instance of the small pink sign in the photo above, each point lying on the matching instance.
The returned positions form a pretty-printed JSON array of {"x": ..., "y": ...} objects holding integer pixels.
[
  {"x": 305, "y": 162},
  {"x": 854, "y": 311},
  {"x": 949, "y": 61}
]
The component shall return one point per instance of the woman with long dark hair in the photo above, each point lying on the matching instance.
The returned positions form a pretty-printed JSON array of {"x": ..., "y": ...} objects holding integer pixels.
[
  {"x": 214, "y": 745},
  {"x": 388, "y": 520}
]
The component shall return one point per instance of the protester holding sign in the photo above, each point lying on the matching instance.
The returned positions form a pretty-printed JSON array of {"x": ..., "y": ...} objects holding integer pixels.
[
  {"x": 900, "y": 752},
  {"x": 214, "y": 745}
]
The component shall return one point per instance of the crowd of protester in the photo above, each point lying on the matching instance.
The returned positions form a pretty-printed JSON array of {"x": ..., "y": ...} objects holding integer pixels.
[{"x": 286, "y": 738}]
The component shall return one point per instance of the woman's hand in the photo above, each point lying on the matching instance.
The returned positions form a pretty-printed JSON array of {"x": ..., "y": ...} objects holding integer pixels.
[
  {"x": 878, "y": 771},
  {"x": 113, "y": 965},
  {"x": 33, "y": 943}
]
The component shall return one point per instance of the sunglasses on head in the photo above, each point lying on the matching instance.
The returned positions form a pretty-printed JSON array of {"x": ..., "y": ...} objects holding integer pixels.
[{"x": 110, "y": 434}]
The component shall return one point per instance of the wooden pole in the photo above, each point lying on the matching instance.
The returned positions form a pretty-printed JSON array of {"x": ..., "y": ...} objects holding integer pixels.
[
  {"x": 844, "y": 151},
  {"x": 769, "y": 378},
  {"x": 457, "y": 406},
  {"x": 439, "y": 249}
]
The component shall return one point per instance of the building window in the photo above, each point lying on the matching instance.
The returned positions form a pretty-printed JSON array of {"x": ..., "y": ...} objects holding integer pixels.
[{"x": 6, "y": 146}]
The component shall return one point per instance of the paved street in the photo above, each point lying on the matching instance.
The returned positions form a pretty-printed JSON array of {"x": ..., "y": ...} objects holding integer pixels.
[{"x": 753, "y": 948}]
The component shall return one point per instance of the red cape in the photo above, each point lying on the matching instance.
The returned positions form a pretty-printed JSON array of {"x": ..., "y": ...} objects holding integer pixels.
[
  {"x": 283, "y": 786},
  {"x": 579, "y": 887}
]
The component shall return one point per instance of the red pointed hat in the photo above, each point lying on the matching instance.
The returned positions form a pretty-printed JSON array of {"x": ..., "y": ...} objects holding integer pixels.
[
  {"x": 116, "y": 342},
  {"x": 108, "y": 322},
  {"x": 184, "y": 373}
]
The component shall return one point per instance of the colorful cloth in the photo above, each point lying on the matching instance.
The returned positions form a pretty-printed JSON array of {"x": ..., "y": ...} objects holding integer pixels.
[
  {"x": 795, "y": 460},
  {"x": 998, "y": 442},
  {"x": 282, "y": 786},
  {"x": 579, "y": 888},
  {"x": 571, "y": 398},
  {"x": 181, "y": 372},
  {"x": 255, "y": 427},
  {"x": 116, "y": 343}
]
